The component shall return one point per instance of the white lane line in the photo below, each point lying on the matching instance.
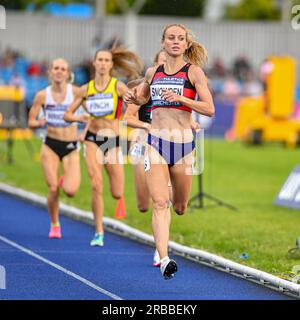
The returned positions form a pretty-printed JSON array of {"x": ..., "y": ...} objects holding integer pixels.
[{"x": 58, "y": 267}]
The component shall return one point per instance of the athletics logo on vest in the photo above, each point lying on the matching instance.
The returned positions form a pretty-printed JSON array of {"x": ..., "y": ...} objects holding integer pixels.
[
  {"x": 159, "y": 85},
  {"x": 70, "y": 146}
]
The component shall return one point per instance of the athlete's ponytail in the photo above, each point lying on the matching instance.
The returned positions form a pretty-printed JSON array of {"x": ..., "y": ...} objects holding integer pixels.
[
  {"x": 196, "y": 52},
  {"x": 125, "y": 62}
]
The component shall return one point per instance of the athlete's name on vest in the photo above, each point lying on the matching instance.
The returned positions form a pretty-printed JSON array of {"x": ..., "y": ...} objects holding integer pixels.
[
  {"x": 158, "y": 90},
  {"x": 160, "y": 85},
  {"x": 151, "y": 309}
]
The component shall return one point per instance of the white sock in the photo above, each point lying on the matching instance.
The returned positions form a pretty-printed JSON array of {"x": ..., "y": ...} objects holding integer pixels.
[{"x": 166, "y": 259}]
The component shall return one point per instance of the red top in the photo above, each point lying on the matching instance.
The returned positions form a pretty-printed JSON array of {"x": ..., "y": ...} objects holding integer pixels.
[{"x": 178, "y": 82}]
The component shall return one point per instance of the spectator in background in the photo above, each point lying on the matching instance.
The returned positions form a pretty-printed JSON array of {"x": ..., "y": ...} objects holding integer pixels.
[
  {"x": 218, "y": 68},
  {"x": 252, "y": 86},
  {"x": 241, "y": 67},
  {"x": 231, "y": 89},
  {"x": 34, "y": 69},
  {"x": 7, "y": 59},
  {"x": 18, "y": 82},
  {"x": 265, "y": 69},
  {"x": 44, "y": 67},
  {"x": 216, "y": 86}
]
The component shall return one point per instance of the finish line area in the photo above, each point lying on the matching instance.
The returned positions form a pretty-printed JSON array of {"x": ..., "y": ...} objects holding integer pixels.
[{"x": 38, "y": 268}]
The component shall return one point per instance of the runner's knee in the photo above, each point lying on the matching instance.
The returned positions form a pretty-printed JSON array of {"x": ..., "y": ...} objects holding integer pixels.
[
  {"x": 53, "y": 187},
  {"x": 160, "y": 203},
  {"x": 97, "y": 186},
  {"x": 70, "y": 192},
  {"x": 116, "y": 194},
  {"x": 143, "y": 207}
]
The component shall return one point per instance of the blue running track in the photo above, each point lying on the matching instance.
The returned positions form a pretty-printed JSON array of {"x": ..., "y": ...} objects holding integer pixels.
[{"x": 68, "y": 268}]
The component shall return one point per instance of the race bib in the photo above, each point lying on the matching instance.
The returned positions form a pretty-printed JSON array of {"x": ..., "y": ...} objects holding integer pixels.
[
  {"x": 55, "y": 116},
  {"x": 146, "y": 163},
  {"x": 175, "y": 85},
  {"x": 137, "y": 150},
  {"x": 100, "y": 104}
]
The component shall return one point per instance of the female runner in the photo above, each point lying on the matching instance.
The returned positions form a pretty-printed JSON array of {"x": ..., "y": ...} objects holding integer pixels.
[
  {"x": 103, "y": 99},
  {"x": 60, "y": 144},
  {"x": 173, "y": 88}
]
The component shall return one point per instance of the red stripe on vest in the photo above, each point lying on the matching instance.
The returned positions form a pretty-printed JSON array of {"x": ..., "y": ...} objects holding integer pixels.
[
  {"x": 119, "y": 108},
  {"x": 189, "y": 93},
  {"x": 181, "y": 74},
  {"x": 159, "y": 75}
]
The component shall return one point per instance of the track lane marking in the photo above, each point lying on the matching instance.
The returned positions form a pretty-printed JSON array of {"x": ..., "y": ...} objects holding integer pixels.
[{"x": 58, "y": 267}]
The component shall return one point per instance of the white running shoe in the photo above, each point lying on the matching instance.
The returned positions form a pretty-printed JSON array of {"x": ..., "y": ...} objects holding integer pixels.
[
  {"x": 168, "y": 268},
  {"x": 156, "y": 259}
]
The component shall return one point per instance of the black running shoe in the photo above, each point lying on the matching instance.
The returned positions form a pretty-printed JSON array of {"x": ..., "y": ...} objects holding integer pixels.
[{"x": 168, "y": 269}]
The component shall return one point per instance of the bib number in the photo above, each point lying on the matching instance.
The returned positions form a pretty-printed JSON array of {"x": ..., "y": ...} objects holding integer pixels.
[{"x": 100, "y": 106}]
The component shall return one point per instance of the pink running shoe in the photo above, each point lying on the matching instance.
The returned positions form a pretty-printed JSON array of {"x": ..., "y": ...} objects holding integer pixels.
[{"x": 55, "y": 232}]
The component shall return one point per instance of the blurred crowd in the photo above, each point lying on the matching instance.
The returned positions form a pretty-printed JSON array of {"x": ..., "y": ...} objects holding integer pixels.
[
  {"x": 234, "y": 81},
  {"x": 32, "y": 76},
  {"x": 227, "y": 82}
]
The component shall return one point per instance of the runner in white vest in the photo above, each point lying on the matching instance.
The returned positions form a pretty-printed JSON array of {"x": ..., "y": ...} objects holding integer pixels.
[{"x": 60, "y": 144}]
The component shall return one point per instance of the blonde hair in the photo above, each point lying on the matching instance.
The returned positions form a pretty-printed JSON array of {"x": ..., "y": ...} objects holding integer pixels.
[
  {"x": 125, "y": 62},
  {"x": 71, "y": 76},
  {"x": 196, "y": 52}
]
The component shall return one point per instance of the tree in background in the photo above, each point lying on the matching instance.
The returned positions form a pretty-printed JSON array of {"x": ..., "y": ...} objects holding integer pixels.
[
  {"x": 254, "y": 10},
  {"x": 188, "y": 8},
  {"x": 38, "y": 4},
  {"x": 244, "y": 10},
  {"x": 191, "y": 8}
]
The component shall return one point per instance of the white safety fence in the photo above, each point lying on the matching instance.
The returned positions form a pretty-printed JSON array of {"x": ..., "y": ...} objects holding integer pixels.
[
  {"x": 43, "y": 37},
  {"x": 200, "y": 256}
]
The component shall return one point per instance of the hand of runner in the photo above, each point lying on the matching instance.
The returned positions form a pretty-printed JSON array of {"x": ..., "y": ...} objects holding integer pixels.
[
  {"x": 84, "y": 117},
  {"x": 171, "y": 96},
  {"x": 131, "y": 96},
  {"x": 42, "y": 122}
]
